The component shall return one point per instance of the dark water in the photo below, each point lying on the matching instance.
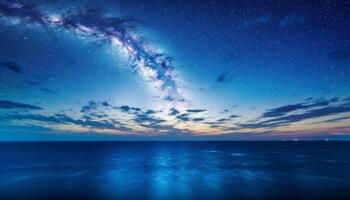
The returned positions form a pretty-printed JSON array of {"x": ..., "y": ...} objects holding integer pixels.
[{"x": 175, "y": 170}]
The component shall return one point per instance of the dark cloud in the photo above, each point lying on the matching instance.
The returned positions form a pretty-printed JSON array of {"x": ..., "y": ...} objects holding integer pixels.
[
  {"x": 169, "y": 98},
  {"x": 129, "y": 109},
  {"x": 90, "y": 106},
  {"x": 333, "y": 120},
  {"x": 234, "y": 116},
  {"x": 224, "y": 77},
  {"x": 196, "y": 110},
  {"x": 308, "y": 114},
  {"x": 149, "y": 112},
  {"x": 147, "y": 119},
  {"x": 215, "y": 126},
  {"x": 65, "y": 119},
  {"x": 283, "y": 110},
  {"x": 173, "y": 112},
  {"x": 198, "y": 119},
  {"x": 183, "y": 117},
  {"x": 4, "y": 104},
  {"x": 166, "y": 129},
  {"x": 12, "y": 66},
  {"x": 98, "y": 115},
  {"x": 340, "y": 54},
  {"x": 96, "y": 110},
  {"x": 105, "y": 103},
  {"x": 94, "y": 106},
  {"x": 215, "y": 122},
  {"x": 223, "y": 120},
  {"x": 40, "y": 86},
  {"x": 219, "y": 123}
]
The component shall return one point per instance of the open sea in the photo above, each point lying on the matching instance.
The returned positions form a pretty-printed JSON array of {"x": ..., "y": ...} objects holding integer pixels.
[{"x": 174, "y": 170}]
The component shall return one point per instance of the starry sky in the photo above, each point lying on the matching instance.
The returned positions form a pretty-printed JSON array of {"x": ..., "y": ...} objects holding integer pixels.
[{"x": 177, "y": 70}]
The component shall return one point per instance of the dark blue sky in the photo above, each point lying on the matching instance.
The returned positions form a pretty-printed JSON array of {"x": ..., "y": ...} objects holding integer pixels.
[{"x": 174, "y": 70}]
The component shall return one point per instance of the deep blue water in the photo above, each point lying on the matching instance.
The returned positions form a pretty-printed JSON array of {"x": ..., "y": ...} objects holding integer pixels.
[{"x": 175, "y": 170}]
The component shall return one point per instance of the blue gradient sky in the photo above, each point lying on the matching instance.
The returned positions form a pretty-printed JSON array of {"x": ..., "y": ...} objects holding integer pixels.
[{"x": 164, "y": 70}]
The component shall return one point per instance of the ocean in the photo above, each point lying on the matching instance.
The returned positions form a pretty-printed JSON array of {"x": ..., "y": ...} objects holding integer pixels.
[{"x": 175, "y": 170}]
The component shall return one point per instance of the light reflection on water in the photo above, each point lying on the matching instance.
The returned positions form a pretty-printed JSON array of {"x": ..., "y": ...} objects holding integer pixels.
[{"x": 175, "y": 170}]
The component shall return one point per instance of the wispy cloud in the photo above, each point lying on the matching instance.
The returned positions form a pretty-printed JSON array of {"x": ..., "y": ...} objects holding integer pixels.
[
  {"x": 283, "y": 110},
  {"x": 334, "y": 120},
  {"x": 4, "y": 104},
  {"x": 280, "y": 117},
  {"x": 196, "y": 110},
  {"x": 62, "y": 119},
  {"x": 234, "y": 116},
  {"x": 173, "y": 111},
  {"x": 224, "y": 77},
  {"x": 90, "y": 106},
  {"x": 129, "y": 109},
  {"x": 12, "y": 66},
  {"x": 183, "y": 117}
]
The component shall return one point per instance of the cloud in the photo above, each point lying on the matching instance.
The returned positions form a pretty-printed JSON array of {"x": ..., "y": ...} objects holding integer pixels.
[
  {"x": 92, "y": 105},
  {"x": 173, "y": 112},
  {"x": 223, "y": 120},
  {"x": 62, "y": 119},
  {"x": 105, "y": 103},
  {"x": 147, "y": 119},
  {"x": 224, "y": 77},
  {"x": 198, "y": 119},
  {"x": 283, "y": 120},
  {"x": 95, "y": 110},
  {"x": 196, "y": 110},
  {"x": 260, "y": 20},
  {"x": 12, "y": 67},
  {"x": 128, "y": 109},
  {"x": 149, "y": 112},
  {"x": 292, "y": 19},
  {"x": 340, "y": 54},
  {"x": 234, "y": 116},
  {"x": 283, "y": 110},
  {"x": 183, "y": 117},
  {"x": 39, "y": 85},
  {"x": 4, "y": 104},
  {"x": 169, "y": 98},
  {"x": 333, "y": 120}
]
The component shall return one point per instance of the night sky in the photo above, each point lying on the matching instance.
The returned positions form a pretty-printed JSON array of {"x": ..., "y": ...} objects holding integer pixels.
[{"x": 217, "y": 70}]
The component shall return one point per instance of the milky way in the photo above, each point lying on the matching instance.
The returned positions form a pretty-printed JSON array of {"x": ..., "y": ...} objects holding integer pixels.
[{"x": 153, "y": 66}]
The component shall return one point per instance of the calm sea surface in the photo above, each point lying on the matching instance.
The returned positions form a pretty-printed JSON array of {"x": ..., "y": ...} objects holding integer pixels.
[{"x": 175, "y": 170}]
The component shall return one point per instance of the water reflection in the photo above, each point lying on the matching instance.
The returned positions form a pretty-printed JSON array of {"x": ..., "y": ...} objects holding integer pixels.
[{"x": 174, "y": 170}]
